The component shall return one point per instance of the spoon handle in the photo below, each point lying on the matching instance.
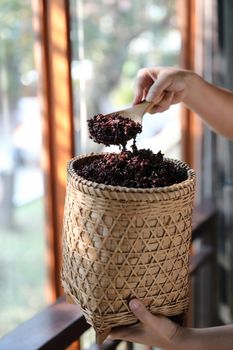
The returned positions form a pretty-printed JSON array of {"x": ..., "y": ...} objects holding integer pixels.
[
  {"x": 141, "y": 108},
  {"x": 136, "y": 112}
]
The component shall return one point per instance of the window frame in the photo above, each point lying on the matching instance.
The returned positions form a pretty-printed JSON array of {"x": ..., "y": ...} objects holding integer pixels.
[{"x": 53, "y": 57}]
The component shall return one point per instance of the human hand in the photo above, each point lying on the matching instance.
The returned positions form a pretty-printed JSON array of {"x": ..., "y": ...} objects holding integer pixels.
[
  {"x": 162, "y": 85},
  {"x": 151, "y": 330}
]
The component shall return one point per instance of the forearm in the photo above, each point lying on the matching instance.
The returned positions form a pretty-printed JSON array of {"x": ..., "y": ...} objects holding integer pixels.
[
  {"x": 213, "y": 104},
  {"x": 214, "y": 338}
]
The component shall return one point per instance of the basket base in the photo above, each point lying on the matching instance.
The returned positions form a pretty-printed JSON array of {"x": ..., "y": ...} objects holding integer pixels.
[{"x": 100, "y": 337}]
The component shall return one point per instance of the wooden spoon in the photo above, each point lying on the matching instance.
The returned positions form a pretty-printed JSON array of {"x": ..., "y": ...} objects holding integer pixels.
[{"x": 136, "y": 112}]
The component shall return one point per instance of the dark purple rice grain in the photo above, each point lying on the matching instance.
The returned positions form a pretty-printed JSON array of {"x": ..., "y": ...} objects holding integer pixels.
[
  {"x": 113, "y": 129},
  {"x": 139, "y": 169}
]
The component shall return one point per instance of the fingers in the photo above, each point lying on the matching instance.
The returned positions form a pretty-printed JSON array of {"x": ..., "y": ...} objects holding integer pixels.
[
  {"x": 134, "y": 331},
  {"x": 125, "y": 332},
  {"x": 140, "y": 311},
  {"x": 140, "y": 92},
  {"x": 152, "y": 330},
  {"x": 138, "y": 96},
  {"x": 143, "y": 82},
  {"x": 158, "y": 88},
  {"x": 164, "y": 103},
  {"x": 151, "y": 84}
]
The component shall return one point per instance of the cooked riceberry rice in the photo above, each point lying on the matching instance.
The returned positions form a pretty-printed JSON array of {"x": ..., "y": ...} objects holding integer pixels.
[
  {"x": 137, "y": 169},
  {"x": 113, "y": 129}
]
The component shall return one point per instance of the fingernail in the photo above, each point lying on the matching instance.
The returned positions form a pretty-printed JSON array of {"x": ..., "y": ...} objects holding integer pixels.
[{"x": 134, "y": 304}]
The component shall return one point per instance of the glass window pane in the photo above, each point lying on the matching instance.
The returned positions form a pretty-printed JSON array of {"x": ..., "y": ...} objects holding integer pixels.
[
  {"x": 111, "y": 41},
  {"x": 22, "y": 241}
]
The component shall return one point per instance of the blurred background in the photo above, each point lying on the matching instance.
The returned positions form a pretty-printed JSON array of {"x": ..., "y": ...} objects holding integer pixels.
[
  {"x": 22, "y": 219},
  {"x": 61, "y": 62},
  {"x": 110, "y": 40}
]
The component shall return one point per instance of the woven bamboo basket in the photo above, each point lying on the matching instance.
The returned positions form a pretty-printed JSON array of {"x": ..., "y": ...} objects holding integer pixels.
[{"x": 120, "y": 243}]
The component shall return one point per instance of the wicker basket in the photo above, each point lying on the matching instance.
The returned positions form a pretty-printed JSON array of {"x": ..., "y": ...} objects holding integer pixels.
[{"x": 121, "y": 242}]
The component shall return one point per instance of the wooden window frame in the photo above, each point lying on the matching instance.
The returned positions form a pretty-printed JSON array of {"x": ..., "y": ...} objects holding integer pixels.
[
  {"x": 191, "y": 57},
  {"x": 53, "y": 56}
]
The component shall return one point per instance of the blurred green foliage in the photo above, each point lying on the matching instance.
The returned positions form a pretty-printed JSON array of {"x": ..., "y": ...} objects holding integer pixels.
[
  {"x": 22, "y": 288},
  {"x": 17, "y": 43},
  {"x": 120, "y": 37}
]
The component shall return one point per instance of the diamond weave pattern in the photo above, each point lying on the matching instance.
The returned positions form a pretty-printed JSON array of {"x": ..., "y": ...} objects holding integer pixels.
[{"x": 114, "y": 249}]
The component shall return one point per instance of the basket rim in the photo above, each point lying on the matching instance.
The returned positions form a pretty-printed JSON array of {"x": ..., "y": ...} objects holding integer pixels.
[{"x": 79, "y": 180}]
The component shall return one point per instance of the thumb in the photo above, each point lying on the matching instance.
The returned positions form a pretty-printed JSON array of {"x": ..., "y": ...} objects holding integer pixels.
[
  {"x": 158, "y": 88},
  {"x": 140, "y": 311}
]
